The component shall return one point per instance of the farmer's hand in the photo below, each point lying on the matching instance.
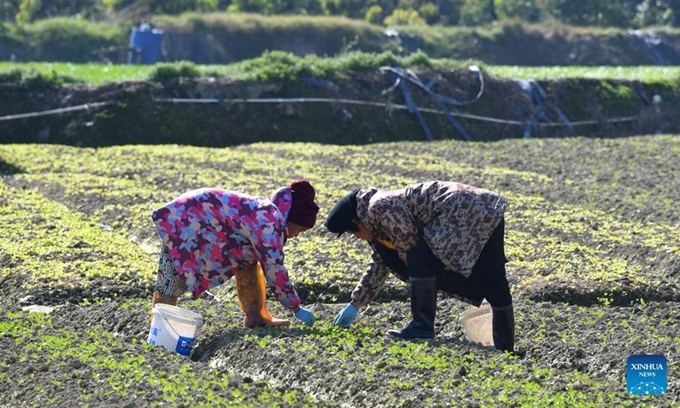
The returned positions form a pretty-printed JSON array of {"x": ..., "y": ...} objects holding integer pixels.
[
  {"x": 346, "y": 316},
  {"x": 306, "y": 316}
]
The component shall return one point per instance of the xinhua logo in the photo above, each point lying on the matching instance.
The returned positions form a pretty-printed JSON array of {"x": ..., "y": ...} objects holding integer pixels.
[{"x": 647, "y": 374}]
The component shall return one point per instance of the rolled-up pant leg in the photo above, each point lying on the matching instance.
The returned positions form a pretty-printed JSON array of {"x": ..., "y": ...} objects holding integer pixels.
[
  {"x": 168, "y": 281},
  {"x": 169, "y": 285}
]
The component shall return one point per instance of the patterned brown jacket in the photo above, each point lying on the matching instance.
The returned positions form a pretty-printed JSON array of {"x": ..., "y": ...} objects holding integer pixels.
[{"x": 455, "y": 219}]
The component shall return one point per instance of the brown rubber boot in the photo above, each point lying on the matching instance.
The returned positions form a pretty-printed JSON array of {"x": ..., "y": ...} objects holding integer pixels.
[
  {"x": 158, "y": 297},
  {"x": 251, "y": 290}
]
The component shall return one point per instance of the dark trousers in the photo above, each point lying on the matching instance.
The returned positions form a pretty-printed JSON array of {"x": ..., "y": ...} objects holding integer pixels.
[
  {"x": 487, "y": 280},
  {"x": 489, "y": 270}
]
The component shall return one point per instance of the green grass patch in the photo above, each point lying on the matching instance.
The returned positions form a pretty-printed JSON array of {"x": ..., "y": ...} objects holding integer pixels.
[
  {"x": 99, "y": 200},
  {"x": 280, "y": 65}
]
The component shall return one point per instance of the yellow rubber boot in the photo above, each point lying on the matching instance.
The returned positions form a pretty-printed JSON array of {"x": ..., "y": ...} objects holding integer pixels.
[{"x": 251, "y": 290}]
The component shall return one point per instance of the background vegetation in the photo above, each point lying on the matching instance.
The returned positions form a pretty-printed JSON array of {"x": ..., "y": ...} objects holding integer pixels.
[
  {"x": 508, "y": 32},
  {"x": 603, "y": 13}
]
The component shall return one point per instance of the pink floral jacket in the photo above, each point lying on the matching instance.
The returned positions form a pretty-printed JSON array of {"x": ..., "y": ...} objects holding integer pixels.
[{"x": 212, "y": 233}]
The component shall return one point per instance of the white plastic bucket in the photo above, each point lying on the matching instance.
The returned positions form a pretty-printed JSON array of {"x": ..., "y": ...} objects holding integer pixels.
[
  {"x": 477, "y": 325},
  {"x": 174, "y": 328}
]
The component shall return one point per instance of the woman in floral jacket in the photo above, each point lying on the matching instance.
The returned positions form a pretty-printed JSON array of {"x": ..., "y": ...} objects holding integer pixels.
[
  {"x": 435, "y": 235},
  {"x": 212, "y": 234}
]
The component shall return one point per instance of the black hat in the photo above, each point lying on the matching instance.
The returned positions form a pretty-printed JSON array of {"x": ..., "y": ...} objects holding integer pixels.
[{"x": 341, "y": 216}]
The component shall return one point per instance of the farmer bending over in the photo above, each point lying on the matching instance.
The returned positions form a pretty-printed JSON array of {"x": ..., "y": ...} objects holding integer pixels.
[
  {"x": 211, "y": 234},
  {"x": 435, "y": 235}
]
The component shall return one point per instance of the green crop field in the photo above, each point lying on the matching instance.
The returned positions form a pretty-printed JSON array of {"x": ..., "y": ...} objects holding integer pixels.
[
  {"x": 592, "y": 237},
  {"x": 102, "y": 73}
]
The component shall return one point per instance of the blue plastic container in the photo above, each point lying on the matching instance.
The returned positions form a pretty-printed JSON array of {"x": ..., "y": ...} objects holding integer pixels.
[{"x": 148, "y": 41}]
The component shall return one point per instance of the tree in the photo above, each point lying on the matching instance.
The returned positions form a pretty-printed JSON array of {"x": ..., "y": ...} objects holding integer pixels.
[
  {"x": 674, "y": 6},
  {"x": 527, "y": 10},
  {"x": 449, "y": 11},
  {"x": 374, "y": 14},
  {"x": 404, "y": 17},
  {"x": 658, "y": 12},
  {"x": 430, "y": 13},
  {"x": 31, "y": 10},
  {"x": 603, "y": 13},
  {"x": 9, "y": 9},
  {"x": 165, "y": 6},
  {"x": 350, "y": 8},
  {"x": 492, "y": 10},
  {"x": 475, "y": 12}
]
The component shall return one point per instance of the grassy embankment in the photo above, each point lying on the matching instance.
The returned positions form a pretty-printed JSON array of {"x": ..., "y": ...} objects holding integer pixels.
[{"x": 101, "y": 73}]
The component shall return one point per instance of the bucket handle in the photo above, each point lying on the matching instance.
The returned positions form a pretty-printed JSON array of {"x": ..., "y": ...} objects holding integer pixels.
[{"x": 171, "y": 327}]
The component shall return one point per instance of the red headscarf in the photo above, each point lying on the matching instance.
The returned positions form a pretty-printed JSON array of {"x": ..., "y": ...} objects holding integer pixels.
[{"x": 303, "y": 209}]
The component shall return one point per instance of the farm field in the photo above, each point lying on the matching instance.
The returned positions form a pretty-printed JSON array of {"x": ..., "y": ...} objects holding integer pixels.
[{"x": 592, "y": 235}]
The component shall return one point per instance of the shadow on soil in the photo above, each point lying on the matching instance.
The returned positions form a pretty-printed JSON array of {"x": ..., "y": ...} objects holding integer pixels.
[{"x": 7, "y": 169}]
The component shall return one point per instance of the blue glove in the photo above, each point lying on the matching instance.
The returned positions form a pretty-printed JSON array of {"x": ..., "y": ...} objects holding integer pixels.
[
  {"x": 306, "y": 316},
  {"x": 346, "y": 316}
]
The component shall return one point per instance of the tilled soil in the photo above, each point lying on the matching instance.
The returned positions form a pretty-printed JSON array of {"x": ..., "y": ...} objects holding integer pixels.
[
  {"x": 590, "y": 349},
  {"x": 575, "y": 333}
]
